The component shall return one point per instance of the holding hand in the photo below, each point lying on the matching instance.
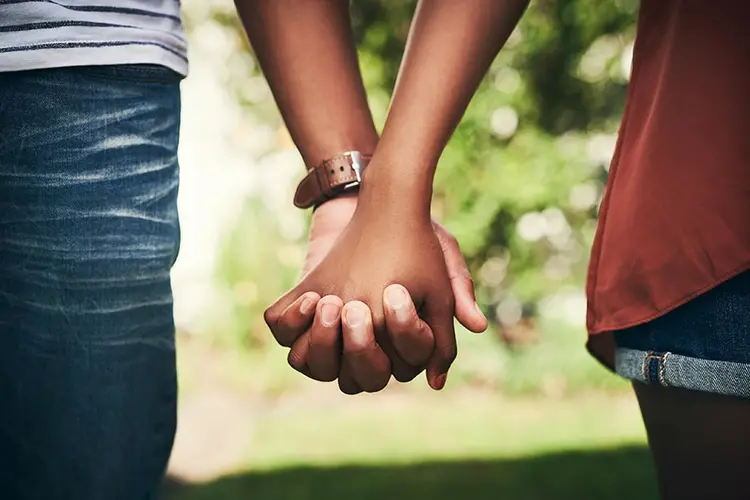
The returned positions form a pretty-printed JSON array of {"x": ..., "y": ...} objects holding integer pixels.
[{"x": 379, "y": 331}]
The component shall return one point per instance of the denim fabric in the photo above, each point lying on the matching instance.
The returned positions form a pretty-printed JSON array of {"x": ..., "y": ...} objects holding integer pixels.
[
  {"x": 672, "y": 370},
  {"x": 88, "y": 233},
  {"x": 703, "y": 345}
]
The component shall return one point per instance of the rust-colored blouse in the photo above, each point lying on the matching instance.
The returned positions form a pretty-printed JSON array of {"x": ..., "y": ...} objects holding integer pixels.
[{"x": 675, "y": 219}]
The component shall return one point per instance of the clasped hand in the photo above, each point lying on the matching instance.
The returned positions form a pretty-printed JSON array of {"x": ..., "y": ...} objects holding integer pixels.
[{"x": 378, "y": 295}]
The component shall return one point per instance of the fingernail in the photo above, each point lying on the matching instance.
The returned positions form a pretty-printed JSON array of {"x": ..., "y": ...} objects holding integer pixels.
[
  {"x": 329, "y": 314},
  {"x": 440, "y": 381},
  {"x": 355, "y": 317},
  {"x": 307, "y": 306},
  {"x": 398, "y": 300}
]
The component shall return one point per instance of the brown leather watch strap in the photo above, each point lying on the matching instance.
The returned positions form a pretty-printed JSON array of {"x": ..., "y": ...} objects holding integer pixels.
[{"x": 331, "y": 178}]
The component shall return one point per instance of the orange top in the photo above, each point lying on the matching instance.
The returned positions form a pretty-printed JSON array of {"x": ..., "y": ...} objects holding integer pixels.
[{"x": 675, "y": 219}]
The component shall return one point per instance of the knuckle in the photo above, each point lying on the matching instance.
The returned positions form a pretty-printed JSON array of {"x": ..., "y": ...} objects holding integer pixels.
[
  {"x": 296, "y": 360},
  {"x": 349, "y": 388},
  {"x": 415, "y": 348},
  {"x": 417, "y": 356},
  {"x": 402, "y": 340},
  {"x": 271, "y": 316},
  {"x": 377, "y": 385},
  {"x": 453, "y": 241},
  {"x": 449, "y": 242},
  {"x": 447, "y": 352},
  {"x": 322, "y": 368},
  {"x": 463, "y": 275},
  {"x": 405, "y": 375},
  {"x": 283, "y": 340},
  {"x": 323, "y": 375}
]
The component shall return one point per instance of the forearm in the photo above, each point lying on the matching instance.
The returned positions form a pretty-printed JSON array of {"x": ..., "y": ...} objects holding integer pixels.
[
  {"x": 451, "y": 45},
  {"x": 306, "y": 51}
]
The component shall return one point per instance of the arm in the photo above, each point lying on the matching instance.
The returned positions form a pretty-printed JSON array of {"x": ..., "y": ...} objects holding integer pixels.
[
  {"x": 457, "y": 40},
  {"x": 307, "y": 54}
]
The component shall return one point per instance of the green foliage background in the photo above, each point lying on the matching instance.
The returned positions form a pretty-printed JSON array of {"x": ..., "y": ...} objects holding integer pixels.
[{"x": 519, "y": 183}]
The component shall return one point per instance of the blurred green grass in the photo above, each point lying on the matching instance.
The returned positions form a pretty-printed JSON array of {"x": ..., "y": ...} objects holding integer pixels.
[{"x": 458, "y": 444}]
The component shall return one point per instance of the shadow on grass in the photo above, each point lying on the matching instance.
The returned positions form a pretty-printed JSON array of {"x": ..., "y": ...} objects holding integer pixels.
[{"x": 622, "y": 473}]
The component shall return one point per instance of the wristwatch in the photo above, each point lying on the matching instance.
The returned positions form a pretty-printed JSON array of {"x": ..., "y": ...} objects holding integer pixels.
[{"x": 331, "y": 178}]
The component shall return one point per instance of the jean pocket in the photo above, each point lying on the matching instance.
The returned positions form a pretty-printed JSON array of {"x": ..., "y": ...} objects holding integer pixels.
[{"x": 140, "y": 73}]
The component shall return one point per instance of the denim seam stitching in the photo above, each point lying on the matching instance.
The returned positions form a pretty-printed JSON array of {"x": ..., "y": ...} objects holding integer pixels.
[
  {"x": 663, "y": 369},
  {"x": 645, "y": 367}
]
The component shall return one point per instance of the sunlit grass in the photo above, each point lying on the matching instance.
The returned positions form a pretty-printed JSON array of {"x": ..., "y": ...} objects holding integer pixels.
[
  {"x": 406, "y": 428},
  {"x": 443, "y": 446}
]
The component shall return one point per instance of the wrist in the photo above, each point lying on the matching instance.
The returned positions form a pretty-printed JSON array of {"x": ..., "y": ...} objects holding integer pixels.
[
  {"x": 397, "y": 184},
  {"x": 335, "y": 213},
  {"x": 336, "y": 142}
]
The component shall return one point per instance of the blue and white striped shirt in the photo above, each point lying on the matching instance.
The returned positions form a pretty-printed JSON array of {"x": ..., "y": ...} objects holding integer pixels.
[{"x": 37, "y": 34}]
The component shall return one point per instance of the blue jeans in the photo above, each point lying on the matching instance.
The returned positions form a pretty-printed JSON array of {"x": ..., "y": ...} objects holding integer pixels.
[
  {"x": 703, "y": 345},
  {"x": 88, "y": 233}
]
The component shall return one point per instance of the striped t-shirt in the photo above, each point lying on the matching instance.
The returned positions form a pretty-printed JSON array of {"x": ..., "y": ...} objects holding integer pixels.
[{"x": 37, "y": 34}]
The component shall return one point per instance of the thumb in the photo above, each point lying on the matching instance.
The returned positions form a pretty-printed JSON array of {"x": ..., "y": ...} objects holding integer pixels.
[{"x": 467, "y": 311}]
